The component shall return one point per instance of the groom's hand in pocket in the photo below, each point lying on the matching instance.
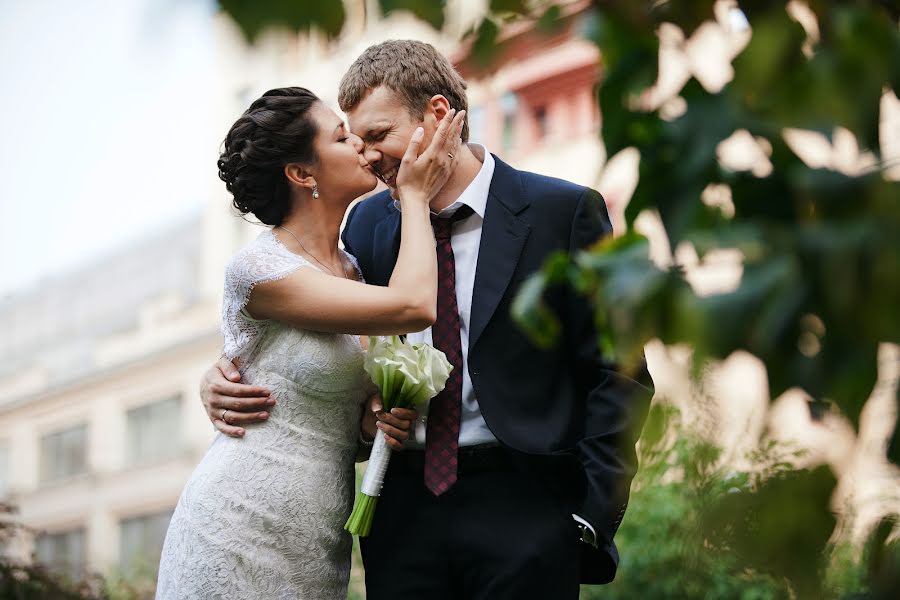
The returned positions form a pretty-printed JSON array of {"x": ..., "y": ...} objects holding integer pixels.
[
  {"x": 395, "y": 424},
  {"x": 230, "y": 404}
]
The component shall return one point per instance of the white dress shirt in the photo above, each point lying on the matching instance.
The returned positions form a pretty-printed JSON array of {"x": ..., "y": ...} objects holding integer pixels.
[{"x": 465, "y": 240}]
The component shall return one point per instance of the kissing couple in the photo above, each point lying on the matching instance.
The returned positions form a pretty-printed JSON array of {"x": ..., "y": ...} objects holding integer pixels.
[{"x": 511, "y": 482}]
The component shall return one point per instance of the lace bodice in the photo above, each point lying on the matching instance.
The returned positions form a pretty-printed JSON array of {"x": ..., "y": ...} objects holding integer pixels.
[
  {"x": 266, "y": 259},
  {"x": 263, "y": 516}
]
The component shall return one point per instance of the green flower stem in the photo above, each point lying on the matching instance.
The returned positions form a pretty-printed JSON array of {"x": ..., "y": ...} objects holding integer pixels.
[{"x": 360, "y": 521}]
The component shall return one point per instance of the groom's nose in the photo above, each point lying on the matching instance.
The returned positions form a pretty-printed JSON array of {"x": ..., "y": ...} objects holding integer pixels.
[
  {"x": 372, "y": 156},
  {"x": 357, "y": 142}
]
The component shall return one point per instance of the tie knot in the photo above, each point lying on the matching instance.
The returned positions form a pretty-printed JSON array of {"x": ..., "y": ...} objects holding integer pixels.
[{"x": 443, "y": 225}]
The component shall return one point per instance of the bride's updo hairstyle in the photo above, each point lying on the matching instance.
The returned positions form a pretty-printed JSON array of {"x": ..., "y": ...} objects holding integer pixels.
[{"x": 276, "y": 130}]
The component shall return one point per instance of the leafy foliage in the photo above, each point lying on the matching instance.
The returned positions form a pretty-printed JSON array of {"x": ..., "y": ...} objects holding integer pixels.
[
  {"x": 679, "y": 538},
  {"x": 255, "y": 16},
  {"x": 821, "y": 249},
  {"x": 883, "y": 560},
  {"x": 430, "y": 11}
]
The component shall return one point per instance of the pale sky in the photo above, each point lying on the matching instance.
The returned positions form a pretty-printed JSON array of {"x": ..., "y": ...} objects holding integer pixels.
[{"x": 105, "y": 135}]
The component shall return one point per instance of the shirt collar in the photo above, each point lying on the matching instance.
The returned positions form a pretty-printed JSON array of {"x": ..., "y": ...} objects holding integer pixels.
[{"x": 476, "y": 193}]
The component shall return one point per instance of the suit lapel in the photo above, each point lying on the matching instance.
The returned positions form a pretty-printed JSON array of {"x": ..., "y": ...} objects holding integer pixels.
[
  {"x": 503, "y": 236},
  {"x": 386, "y": 246}
]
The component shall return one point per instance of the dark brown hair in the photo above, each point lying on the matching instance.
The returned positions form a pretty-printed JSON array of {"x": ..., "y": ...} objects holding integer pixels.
[
  {"x": 414, "y": 70},
  {"x": 276, "y": 130}
]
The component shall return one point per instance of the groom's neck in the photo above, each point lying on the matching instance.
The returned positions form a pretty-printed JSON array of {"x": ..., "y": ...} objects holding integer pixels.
[{"x": 466, "y": 170}]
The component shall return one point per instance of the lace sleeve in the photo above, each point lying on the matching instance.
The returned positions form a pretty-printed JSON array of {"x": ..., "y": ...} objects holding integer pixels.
[{"x": 264, "y": 260}]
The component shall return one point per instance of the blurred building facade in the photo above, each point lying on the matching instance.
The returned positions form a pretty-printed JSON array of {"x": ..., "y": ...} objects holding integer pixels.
[
  {"x": 100, "y": 419},
  {"x": 100, "y": 428}
]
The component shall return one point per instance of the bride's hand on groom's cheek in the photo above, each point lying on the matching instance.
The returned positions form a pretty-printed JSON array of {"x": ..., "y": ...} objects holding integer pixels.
[
  {"x": 229, "y": 404},
  {"x": 395, "y": 424}
]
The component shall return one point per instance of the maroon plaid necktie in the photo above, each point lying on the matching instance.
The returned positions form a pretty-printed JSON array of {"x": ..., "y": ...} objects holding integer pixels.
[{"x": 442, "y": 434}]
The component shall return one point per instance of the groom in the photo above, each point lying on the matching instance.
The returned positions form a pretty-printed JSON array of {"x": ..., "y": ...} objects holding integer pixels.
[{"x": 517, "y": 477}]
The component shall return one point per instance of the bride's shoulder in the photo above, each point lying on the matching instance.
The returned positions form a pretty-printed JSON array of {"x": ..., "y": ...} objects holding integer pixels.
[
  {"x": 262, "y": 243},
  {"x": 262, "y": 259}
]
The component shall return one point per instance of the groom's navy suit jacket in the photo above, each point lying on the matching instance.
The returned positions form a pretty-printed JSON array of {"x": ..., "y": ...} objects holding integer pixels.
[{"x": 568, "y": 407}]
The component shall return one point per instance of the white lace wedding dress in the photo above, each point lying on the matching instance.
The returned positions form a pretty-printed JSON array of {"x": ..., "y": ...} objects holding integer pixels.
[{"x": 263, "y": 516}]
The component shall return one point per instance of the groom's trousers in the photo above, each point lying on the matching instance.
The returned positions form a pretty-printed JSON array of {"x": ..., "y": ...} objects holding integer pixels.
[{"x": 504, "y": 530}]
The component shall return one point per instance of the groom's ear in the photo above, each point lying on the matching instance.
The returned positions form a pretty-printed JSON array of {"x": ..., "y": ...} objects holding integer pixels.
[
  {"x": 438, "y": 107},
  {"x": 298, "y": 175}
]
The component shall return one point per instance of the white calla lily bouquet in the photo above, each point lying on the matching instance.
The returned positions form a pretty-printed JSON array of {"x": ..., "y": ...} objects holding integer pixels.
[{"x": 407, "y": 375}]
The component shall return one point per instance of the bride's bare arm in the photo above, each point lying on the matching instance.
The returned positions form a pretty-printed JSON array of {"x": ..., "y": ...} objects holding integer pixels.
[{"x": 308, "y": 299}]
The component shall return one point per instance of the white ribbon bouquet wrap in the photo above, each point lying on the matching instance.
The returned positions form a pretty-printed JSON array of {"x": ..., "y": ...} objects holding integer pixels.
[{"x": 407, "y": 375}]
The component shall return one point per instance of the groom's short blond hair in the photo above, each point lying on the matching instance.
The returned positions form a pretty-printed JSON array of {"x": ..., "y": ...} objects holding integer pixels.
[{"x": 414, "y": 70}]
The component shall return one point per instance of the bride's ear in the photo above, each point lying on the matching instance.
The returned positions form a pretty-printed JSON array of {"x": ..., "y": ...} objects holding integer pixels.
[{"x": 299, "y": 176}]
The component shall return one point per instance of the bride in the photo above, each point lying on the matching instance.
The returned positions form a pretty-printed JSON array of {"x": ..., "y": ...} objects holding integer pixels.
[{"x": 262, "y": 516}]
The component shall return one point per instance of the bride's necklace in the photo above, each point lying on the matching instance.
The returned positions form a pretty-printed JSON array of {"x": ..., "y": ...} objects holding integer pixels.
[{"x": 308, "y": 252}]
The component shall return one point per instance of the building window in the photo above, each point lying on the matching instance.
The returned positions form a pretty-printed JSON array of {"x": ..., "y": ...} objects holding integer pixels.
[
  {"x": 64, "y": 454},
  {"x": 142, "y": 542},
  {"x": 64, "y": 552},
  {"x": 509, "y": 104},
  {"x": 154, "y": 431}
]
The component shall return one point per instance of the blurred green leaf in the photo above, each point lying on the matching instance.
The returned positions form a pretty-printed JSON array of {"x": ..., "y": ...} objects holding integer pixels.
[
  {"x": 893, "y": 450},
  {"x": 774, "y": 532},
  {"x": 484, "y": 42},
  {"x": 254, "y": 16},
  {"x": 629, "y": 63},
  {"x": 550, "y": 21},
  {"x": 657, "y": 425},
  {"x": 883, "y": 559},
  {"x": 533, "y": 315},
  {"x": 430, "y": 11},
  {"x": 509, "y": 6},
  {"x": 631, "y": 296},
  {"x": 840, "y": 84}
]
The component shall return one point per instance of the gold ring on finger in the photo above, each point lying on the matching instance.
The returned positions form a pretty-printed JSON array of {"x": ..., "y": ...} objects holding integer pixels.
[{"x": 224, "y": 412}]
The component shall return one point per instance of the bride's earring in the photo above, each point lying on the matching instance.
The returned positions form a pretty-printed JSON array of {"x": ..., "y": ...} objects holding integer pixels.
[{"x": 315, "y": 191}]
